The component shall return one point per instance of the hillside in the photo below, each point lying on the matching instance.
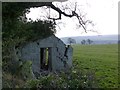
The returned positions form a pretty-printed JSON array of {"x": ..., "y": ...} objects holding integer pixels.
[{"x": 102, "y": 39}]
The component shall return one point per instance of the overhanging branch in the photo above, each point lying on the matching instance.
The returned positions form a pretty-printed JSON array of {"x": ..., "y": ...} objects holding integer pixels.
[{"x": 40, "y": 4}]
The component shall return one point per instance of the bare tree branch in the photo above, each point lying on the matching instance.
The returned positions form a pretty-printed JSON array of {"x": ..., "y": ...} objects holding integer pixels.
[{"x": 60, "y": 12}]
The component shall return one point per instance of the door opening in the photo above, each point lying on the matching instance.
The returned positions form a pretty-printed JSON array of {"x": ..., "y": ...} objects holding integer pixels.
[{"x": 45, "y": 58}]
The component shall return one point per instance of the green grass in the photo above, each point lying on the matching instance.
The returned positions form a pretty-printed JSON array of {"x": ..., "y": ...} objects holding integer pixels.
[{"x": 100, "y": 59}]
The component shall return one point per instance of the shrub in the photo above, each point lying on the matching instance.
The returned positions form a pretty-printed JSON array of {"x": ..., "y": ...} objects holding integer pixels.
[{"x": 74, "y": 78}]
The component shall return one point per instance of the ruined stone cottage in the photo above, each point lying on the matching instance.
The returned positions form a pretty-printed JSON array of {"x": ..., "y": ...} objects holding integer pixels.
[{"x": 46, "y": 54}]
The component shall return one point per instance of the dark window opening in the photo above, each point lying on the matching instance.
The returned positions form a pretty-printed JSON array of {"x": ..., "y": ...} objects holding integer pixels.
[{"x": 45, "y": 58}]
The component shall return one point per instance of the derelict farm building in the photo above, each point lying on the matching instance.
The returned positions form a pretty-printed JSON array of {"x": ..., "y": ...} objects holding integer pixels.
[{"x": 46, "y": 54}]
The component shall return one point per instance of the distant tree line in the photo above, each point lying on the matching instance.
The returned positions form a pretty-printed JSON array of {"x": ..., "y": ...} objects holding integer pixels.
[
  {"x": 83, "y": 42},
  {"x": 88, "y": 41},
  {"x": 71, "y": 41}
]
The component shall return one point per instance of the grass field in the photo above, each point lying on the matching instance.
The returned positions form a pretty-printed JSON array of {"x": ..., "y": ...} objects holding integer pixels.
[{"x": 100, "y": 59}]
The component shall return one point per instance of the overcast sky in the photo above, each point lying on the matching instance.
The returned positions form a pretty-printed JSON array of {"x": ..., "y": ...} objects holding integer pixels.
[{"x": 103, "y": 13}]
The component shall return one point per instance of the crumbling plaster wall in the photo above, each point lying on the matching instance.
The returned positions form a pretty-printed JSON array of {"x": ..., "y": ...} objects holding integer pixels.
[{"x": 63, "y": 55}]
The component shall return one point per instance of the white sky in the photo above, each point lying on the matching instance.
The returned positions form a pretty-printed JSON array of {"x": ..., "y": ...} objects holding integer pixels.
[{"x": 103, "y": 13}]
